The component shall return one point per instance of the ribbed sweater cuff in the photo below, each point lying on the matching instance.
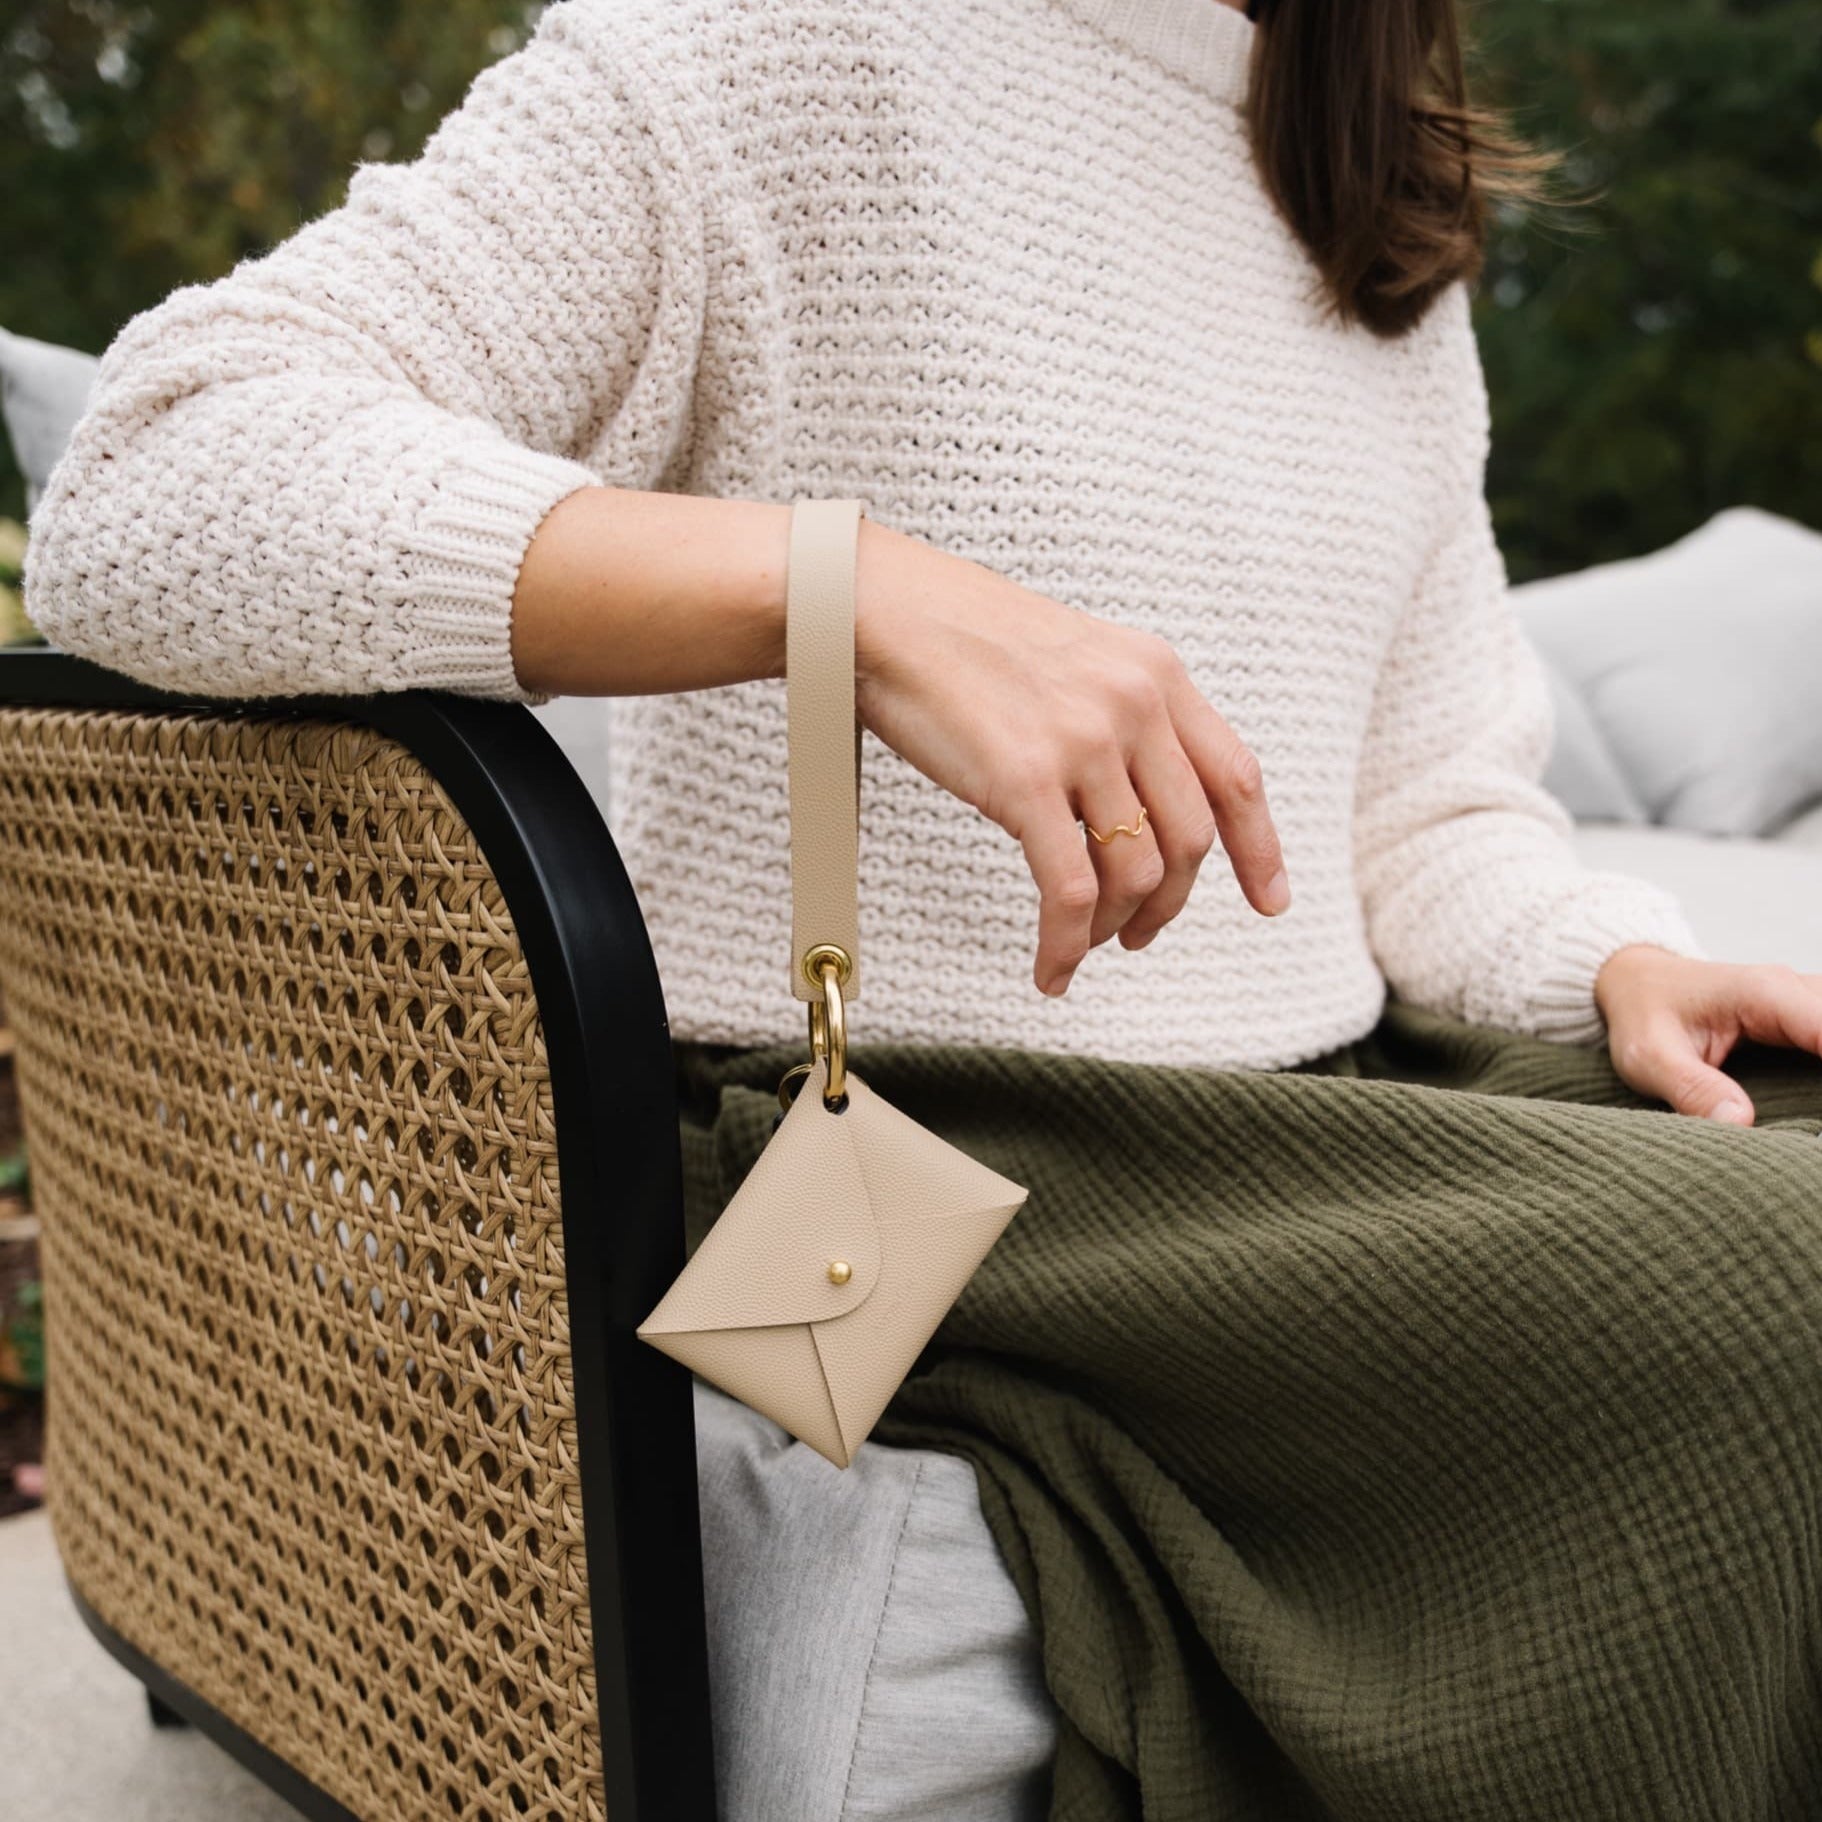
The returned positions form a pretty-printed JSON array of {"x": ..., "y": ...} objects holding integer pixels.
[
  {"x": 462, "y": 565},
  {"x": 1610, "y": 913}
]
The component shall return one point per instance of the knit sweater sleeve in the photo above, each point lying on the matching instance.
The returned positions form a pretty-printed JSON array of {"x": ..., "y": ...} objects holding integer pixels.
[
  {"x": 1475, "y": 902},
  {"x": 321, "y": 471}
]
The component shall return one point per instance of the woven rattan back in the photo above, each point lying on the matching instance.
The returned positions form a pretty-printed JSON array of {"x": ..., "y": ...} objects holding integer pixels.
[{"x": 314, "y": 1442}]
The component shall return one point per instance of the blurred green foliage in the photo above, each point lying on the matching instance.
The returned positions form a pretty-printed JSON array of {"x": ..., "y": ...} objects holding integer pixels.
[
  {"x": 14, "y": 627},
  {"x": 146, "y": 144},
  {"x": 1653, "y": 356}
]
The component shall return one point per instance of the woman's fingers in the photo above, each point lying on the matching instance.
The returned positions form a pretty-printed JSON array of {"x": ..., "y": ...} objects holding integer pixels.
[
  {"x": 1235, "y": 787},
  {"x": 1781, "y": 1006},
  {"x": 1666, "y": 1063},
  {"x": 1069, "y": 889},
  {"x": 1182, "y": 826},
  {"x": 1671, "y": 1059},
  {"x": 1041, "y": 716},
  {"x": 1135, "y": 882},
  {"x": 1672, "y": 1022},
  {"x": 1129, "y": 866}
]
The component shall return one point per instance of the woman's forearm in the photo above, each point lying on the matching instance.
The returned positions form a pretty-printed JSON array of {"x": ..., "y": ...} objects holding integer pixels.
[
  {"x": 1037, "y": 713},
  {"x": 627, "y": 593}
]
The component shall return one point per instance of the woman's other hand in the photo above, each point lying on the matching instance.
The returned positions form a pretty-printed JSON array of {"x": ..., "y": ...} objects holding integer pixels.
[
  {"x": 1672, "y": 1022},
  {"x": 1040, "y": 714}
]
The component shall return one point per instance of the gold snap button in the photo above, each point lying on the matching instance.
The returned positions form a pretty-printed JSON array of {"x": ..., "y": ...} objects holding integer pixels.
[{"x": 840, "y": 1271}]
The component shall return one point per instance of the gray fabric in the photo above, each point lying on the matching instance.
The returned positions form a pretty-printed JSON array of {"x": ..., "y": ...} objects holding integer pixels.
[
  {"x": 870, "y": 1657},
  {"x": 955, "y": 1722}
]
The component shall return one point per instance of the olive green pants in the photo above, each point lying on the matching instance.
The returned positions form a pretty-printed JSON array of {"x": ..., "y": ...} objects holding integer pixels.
[{"x": 1429, "y": 1434}]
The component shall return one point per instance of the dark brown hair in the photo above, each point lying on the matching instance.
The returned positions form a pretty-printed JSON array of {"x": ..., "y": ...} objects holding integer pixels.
[{"x": 1363, "y": 131}]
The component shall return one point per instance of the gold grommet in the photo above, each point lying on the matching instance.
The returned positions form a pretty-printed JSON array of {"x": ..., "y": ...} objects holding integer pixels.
[
  {"x": 840, "y": 1271},
  {"x": 817, "y": 954}
]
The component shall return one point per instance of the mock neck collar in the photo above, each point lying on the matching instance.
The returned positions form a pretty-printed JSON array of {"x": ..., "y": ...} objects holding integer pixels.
[{"x": 1205, "y": 42}]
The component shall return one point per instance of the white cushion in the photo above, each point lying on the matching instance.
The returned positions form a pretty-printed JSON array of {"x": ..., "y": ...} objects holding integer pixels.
[
  {"x": 43, "y": 391},
  {"x": 1747, "y": 900},
  {"x": 1583, "y": 774},
  {"x": 1804, "y": 830},
  {"x": 1702, "y": 667}
]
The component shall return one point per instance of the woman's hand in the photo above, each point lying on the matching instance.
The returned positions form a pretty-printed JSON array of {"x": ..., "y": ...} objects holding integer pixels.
[
  {"x": 1039, "y": 714},
  {"x": 1671, "y": 1023}
]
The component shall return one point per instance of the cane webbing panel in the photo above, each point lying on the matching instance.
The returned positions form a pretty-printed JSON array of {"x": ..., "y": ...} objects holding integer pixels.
[{"x": 312, "y": 1423}]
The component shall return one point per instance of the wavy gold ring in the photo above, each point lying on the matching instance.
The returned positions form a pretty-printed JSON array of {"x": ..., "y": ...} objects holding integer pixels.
[{"x": 1119, "y": 828}]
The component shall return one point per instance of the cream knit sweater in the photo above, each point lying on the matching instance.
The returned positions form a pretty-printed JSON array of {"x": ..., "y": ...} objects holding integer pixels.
[{"x": 1001, "y": 268}]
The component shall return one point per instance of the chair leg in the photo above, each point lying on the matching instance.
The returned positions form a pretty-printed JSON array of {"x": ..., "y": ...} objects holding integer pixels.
[{"x": 163, "y": 1715}]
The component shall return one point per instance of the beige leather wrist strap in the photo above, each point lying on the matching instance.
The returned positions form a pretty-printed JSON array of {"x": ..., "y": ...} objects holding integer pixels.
[{"x": 824, "y": 736}]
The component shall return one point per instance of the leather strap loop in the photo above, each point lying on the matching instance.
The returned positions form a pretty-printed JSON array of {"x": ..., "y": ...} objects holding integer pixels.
[{"x": 824, "y": 736}]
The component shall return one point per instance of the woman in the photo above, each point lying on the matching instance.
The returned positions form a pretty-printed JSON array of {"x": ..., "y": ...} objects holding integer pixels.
[{"x": 1393, "y": 1452}]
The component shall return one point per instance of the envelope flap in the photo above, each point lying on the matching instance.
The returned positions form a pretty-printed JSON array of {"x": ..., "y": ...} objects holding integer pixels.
[
  {"x": 802, "y": 1208},
  {"x": 925, "y": 1268},
  {"x": 915, "y": 1177}
]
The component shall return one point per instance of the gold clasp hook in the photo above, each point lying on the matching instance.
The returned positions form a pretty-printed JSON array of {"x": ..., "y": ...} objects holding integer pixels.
[{"x": 827, "y": 965}]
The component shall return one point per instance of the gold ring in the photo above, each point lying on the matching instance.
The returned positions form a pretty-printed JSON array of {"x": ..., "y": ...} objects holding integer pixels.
[
  {"x": 1119, "y": 828},
  {"x": 829, "y": 1033},
  {"x": 830, "y": 967}
]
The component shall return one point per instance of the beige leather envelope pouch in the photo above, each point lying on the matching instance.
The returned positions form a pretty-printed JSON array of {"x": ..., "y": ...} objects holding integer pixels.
[{"x": 759, "y": 1310}]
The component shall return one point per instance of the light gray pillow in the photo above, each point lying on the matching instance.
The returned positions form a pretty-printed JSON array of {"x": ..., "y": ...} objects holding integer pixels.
[
  {"x": 43, "y": 391},
  {"x": 1804, "y": 830},
  {"x": 1702, "y": 668},
  {"x": 1583, "y": 774}
]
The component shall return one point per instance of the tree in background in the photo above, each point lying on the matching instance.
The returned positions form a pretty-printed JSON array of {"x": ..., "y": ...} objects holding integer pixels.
[
  {"x": 1657, "y": 360},
  {"x": 1659, "y": 356},
  {"x": 146, "y": 144}
]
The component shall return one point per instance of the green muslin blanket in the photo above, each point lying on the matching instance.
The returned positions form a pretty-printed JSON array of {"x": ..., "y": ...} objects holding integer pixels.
[{"x": 1429, "y": 1434}]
